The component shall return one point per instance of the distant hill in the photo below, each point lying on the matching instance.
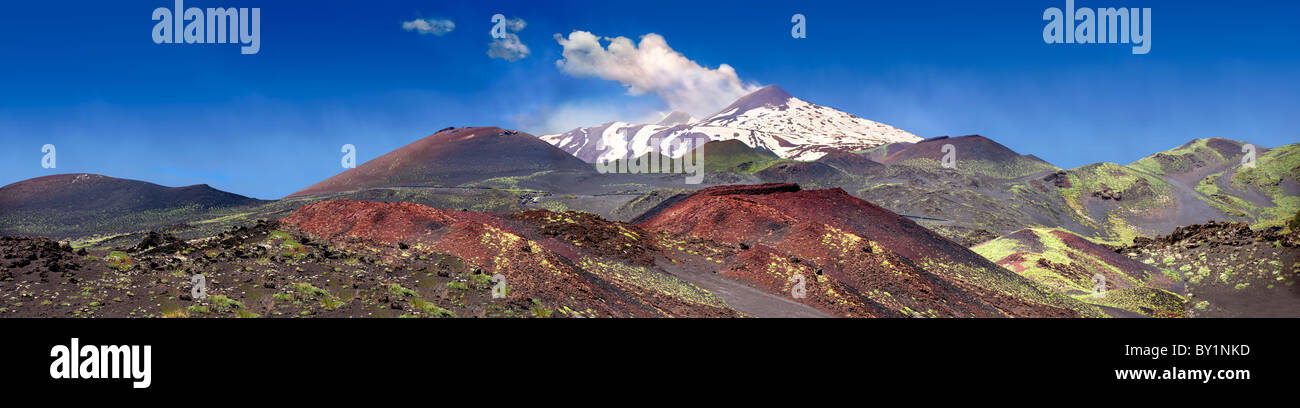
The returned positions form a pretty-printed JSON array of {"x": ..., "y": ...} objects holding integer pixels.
[
  {"x": 813, "y": 174},
  {"x": 735, "y": 156},
  {"x": 80, "y": 204},
  {"x": 1199, "y": 181},
  {"x": 852, "y": 163},
  {"x": 459, "y": 156},
  {"x": 996, "y": 190},
  {"x": 974, "y": 153}
]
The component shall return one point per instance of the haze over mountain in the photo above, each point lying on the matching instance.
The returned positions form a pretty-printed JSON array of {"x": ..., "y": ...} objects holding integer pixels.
[{"x": 768, "y": 118}]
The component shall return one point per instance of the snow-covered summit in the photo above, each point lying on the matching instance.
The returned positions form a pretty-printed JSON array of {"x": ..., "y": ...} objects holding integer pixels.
[{"x": 768, "y": 118}]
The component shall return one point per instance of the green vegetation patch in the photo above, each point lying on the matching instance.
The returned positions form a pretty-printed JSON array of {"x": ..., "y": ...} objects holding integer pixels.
[{"x": 647, "y": 279}]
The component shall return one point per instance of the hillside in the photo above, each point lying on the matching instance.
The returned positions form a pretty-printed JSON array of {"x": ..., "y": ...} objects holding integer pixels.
[
  {"x": 972, "y": 154},
  {"x": 1069, "y": 264},
  {"x": 1230, "y": 269},
  {"x": 460, "y": 156},
  {"x": 860, "y": 259},
  {"x": 69, "y": 205}
]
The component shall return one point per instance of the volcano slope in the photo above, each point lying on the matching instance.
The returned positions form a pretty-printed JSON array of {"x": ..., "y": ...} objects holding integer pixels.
[
  {"x": 463, "y": 156},
  {"x": 844, "y": 255},
  {"x": 972, "y": 154},
  {"x": 1231, "y": 270},
  {"x": 994, "y": 191},
  {"x": 577, "y": 264},
  {"x": 1199, "y": 181},
  {"x": 1264, "y": 193},
  {"x": 258, "y": 271},
  {"x": 344, "y": 258},
  {"x": 1075, "y": 266}
]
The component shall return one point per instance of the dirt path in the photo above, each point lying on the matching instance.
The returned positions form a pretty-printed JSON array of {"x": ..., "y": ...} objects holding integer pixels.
[
  {"x": 746, "y": 299},
  {"x": 1191, "y": 210}
]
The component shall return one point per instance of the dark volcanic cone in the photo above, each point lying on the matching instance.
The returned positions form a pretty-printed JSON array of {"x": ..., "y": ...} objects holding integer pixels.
[{"x": 93, "y": 192}]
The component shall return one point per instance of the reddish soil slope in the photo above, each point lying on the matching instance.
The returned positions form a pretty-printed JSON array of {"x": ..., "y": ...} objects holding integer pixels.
[
  {"x": 889, "y": 265},
  {"x": 578, "y": 264},
  {"x": 453, "y": 157}
]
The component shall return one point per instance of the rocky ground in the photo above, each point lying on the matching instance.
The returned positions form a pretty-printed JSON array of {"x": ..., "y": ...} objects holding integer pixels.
[
  {"x": 1230, "y": 270},
  {"x": 247, "y": 272},
  {"x": 723, "y": 252}
]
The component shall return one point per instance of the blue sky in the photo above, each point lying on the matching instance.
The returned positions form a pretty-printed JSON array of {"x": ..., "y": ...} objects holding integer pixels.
[{"x": 87, "y": 77}]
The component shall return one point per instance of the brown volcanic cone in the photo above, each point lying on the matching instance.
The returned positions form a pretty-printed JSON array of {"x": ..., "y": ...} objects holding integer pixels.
[
  {"x": 453, "y": 157},
  {"x": 888, "y": 264}
]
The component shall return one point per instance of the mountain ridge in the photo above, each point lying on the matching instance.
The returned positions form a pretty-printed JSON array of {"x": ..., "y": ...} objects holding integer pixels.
[{"x": 768, "y": 118}]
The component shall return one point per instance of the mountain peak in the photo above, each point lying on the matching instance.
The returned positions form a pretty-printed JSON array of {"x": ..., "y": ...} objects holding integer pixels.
[
  {"x": 452, "y": 157},
  {"x": 770, "y": 95}
]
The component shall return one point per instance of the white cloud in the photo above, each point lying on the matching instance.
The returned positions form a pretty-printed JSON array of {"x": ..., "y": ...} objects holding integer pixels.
[
  {"x": 429, "y": 26},
  {"x": 515, "y": 25},
  {"x": 505, "y": 44},
  {"x": 508, "y": 48},
  {"x": 652, "y": 67}
]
